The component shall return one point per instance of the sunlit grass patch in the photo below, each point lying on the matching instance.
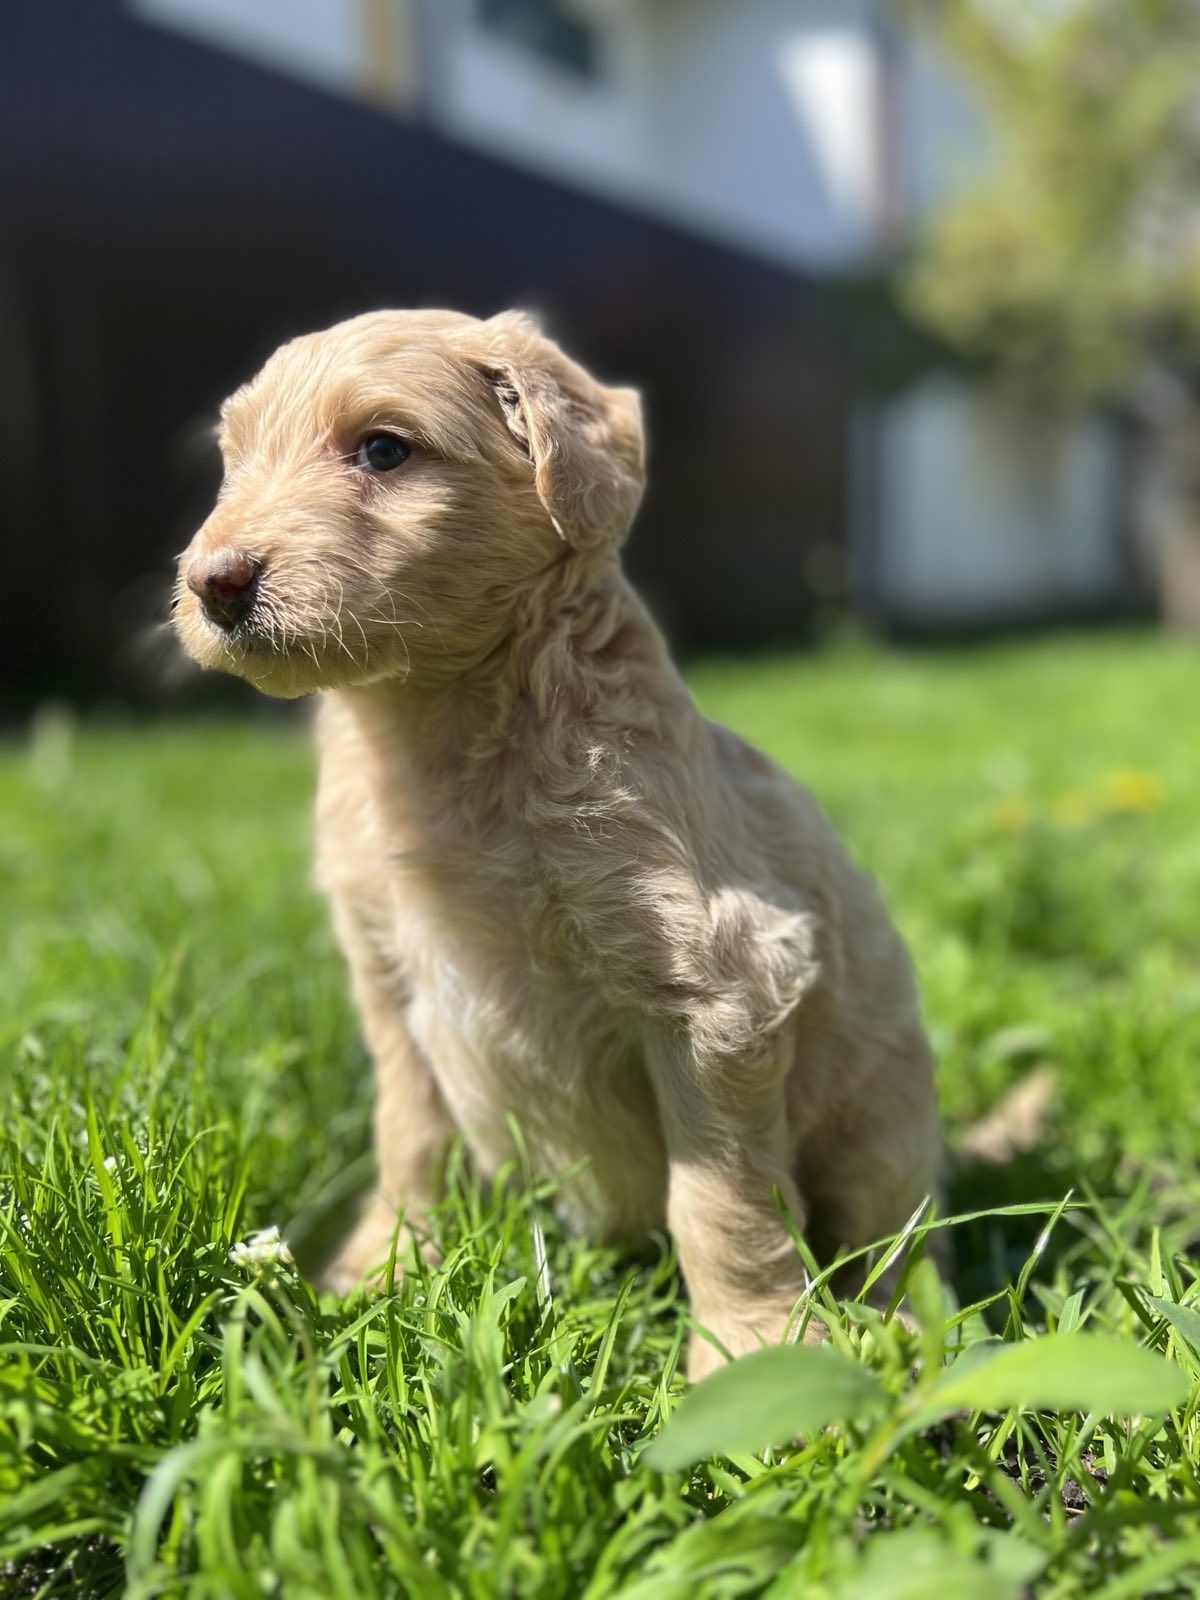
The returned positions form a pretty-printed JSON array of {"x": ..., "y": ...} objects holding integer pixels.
[{"x": 180, "y": 1414}]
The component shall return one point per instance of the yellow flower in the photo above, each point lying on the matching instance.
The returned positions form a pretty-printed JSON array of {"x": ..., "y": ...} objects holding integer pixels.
[{"x": 1133, "y": 789}]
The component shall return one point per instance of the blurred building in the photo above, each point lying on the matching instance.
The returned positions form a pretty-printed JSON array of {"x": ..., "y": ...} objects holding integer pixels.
[
  {"x": 678, "y": 185},
  {"x": 762, "y": 125}
]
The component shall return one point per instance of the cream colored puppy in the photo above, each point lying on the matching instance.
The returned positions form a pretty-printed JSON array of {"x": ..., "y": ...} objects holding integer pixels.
[{"x": 564, "y": 896}]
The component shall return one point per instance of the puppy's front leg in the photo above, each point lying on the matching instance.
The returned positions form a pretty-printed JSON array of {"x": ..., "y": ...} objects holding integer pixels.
[
  {"x": 412, "y": 1126},
  {"x": 728, "y": 1152}
]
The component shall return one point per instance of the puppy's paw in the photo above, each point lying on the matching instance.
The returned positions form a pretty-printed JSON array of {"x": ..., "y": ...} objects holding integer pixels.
[
  {"x": 740, "y": 1332},
  {"x": 342, "y": 1276},
  {"x": 361, "y": 1262}
]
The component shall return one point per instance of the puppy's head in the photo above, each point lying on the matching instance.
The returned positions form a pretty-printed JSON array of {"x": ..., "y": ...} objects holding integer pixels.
[{"x": 392, "y": 486}]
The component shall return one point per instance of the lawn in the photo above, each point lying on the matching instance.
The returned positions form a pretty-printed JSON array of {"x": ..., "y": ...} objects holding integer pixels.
[{"x": 184, "y": 1070}]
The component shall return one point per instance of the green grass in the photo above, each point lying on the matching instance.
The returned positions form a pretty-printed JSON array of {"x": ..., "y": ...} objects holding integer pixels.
[{"x": 183, "y": 1068}]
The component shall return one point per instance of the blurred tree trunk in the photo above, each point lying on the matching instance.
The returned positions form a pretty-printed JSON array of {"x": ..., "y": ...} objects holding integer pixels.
[{"x": 1166, "y": 507}]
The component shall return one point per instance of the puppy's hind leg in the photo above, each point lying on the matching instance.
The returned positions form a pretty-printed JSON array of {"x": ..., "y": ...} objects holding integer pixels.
[
  {"x": 412, "y": 1126},
  {"x": 864, "y": 1177}
]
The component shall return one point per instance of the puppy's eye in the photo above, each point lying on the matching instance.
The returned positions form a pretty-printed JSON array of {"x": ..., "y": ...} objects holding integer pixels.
[{"x": 382, "y": 452}]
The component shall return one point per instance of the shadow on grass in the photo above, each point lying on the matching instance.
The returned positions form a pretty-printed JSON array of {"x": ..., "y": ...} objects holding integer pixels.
[{"x": 989, "y": 1252}]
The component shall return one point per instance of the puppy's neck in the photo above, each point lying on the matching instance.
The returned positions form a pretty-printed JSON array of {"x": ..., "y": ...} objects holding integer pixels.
[{"x": 580, "y": 659}]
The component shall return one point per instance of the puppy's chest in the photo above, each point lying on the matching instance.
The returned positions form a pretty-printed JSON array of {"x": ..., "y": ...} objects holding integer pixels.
[{"x": 513, "y": 1030}]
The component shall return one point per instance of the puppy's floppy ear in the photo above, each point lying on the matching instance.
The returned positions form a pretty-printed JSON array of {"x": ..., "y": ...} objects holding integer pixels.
[{"x": 584, "y": 440}]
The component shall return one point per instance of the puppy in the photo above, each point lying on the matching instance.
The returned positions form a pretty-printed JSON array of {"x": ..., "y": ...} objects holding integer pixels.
[{"x": 563, "y": 895}]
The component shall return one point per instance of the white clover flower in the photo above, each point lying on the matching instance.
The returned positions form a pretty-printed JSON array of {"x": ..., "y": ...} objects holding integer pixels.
[
  {"x": 110, "y": 1163},
  {"x": 262, "y": 1249}
]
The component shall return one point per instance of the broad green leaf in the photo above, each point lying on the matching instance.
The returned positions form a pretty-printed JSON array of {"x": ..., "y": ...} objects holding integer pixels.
[
  {"x": 1068, "y": 1317},
  {"x": 975, "y": 1355},
  {"x": 1184, "y": 1319},
  {"x": 925, "y": 1297},
  {"x": 916, "y": 1564},
  {"x": 764, "y": 1399},
  {"x": 1065, "y": 1372},
  {"x": 753, "y": 1547}
]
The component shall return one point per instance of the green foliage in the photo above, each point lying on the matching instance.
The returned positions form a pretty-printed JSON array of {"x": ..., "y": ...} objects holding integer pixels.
[
  {"x": 1069, "y": 1372},
  {"x": 774, "y": 1395},
  {"x": 182, "y": 1069},
  {"x": 765, "y": 1399},
  {"x": 1073, "y": 261}
]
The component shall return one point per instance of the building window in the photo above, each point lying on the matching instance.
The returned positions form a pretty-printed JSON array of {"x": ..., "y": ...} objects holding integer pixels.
[{"x": 547, "y": 28}]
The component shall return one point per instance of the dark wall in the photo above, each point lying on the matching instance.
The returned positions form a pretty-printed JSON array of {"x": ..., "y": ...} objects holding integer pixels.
[{"x": 171, "y": 213}]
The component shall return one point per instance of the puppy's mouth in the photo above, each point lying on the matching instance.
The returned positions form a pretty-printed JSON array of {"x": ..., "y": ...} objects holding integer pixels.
[
  {"x": 246, "y": 635},
  {"x": 281, "y": 648}
]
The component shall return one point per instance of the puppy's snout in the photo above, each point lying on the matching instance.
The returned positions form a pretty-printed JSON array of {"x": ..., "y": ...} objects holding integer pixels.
[{"x": 224, "y": 583}]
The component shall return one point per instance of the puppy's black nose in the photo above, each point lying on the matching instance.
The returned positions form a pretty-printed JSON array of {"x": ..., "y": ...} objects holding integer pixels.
[{"x": 224, "y": 584}]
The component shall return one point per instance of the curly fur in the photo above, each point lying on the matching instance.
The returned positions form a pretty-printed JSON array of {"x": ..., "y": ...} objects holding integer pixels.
[{"x": 562, "y": 893}]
